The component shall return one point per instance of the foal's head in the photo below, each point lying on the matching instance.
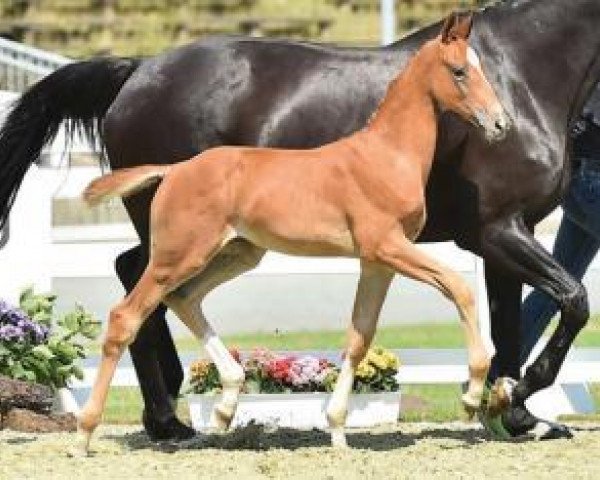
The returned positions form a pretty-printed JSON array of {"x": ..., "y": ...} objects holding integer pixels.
[{"x": 457, "y": 81}]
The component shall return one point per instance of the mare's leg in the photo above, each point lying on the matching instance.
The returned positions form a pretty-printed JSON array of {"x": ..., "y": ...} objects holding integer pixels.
[
  {"x": 154, "y": 358},
  {"x": 372, "y": 288},
  {"x": 237, "y": 257},
  {"x": 399, "y": 253},
  {"x": 504, "y": 297},
  {"x": 513, "y": 248},
  {"x": 574, "y": 248}
]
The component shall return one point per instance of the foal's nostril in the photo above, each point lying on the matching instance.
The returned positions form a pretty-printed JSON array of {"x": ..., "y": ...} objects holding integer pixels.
[{"x": 502, "y": 125}]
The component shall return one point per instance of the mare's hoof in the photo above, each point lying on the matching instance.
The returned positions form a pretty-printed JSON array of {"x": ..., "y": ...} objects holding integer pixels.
[
  {"x": 545, "y": 430},
  {"x": 518, "y": 422},
  {"x": 171, "y": 429}
]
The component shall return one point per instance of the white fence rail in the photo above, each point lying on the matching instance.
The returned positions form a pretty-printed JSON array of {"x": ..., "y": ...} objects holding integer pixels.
[
  {"x": 570, "y": 394},
  {"x": 21, "y": 66}
]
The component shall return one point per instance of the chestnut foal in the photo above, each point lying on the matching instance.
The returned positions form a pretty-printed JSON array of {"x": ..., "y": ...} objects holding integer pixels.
[{"x": 362, "y": 196}]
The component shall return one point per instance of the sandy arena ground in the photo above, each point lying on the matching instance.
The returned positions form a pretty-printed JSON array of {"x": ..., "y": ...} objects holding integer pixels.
[{"x": 408, "y": 450}]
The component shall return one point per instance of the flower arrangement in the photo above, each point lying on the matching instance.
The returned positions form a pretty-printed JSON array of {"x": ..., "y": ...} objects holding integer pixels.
[
  {"x": 377, "y": 372},
  {"x": 267, "y": 372},
  {"x": 35, "y": 346}
]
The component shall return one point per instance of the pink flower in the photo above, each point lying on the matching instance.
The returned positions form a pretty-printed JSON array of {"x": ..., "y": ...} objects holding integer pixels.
[{"x": 235, "y": 353}]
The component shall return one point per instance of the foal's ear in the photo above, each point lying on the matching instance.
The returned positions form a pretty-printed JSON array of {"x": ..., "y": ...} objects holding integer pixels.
[{"x": 457, "y": 26}]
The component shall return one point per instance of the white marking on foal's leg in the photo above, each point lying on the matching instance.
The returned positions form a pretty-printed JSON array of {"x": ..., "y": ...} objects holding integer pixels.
[
  {"x": 232, "y": 378},
  {"x": 337, "y": 409}
]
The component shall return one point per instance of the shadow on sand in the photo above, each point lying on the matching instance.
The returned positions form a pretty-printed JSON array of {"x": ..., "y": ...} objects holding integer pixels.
[{"x": 259, "y": 438}]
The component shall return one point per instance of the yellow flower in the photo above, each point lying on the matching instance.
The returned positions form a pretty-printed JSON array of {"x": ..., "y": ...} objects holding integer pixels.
[
  {"x": 382, "y": 358},
  {"x": 365, "y": 370},
  {"x": 199, "y": 368},
  {"x": 392, "y": 360},
  {"x": 377, "y": 360}
]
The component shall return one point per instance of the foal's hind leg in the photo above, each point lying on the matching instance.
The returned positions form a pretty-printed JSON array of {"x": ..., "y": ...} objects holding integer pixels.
[
  {"x": 372, "y": 288},
  {"x": 169, "y": 267},
  {"x": 237, "y": 257},
  {"x": 124, "y": 321},
  {"x": 404, "y": 257}
]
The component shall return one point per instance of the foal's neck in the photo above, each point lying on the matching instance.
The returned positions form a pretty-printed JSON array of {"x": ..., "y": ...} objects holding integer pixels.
[{"x": 406, "y": 119}]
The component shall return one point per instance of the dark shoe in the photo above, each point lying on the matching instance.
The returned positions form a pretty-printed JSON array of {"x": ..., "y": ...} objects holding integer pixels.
[{"x": 171, "y": 429}]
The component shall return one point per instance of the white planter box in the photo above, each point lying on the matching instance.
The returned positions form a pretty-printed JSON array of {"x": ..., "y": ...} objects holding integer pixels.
[
  {"x": 298, "y": 410},
  {"x": 65, "y": 402}
]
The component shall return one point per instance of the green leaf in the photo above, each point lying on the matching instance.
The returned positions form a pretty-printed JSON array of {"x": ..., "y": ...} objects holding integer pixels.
[
  {"x": 65, "y": 351},
  {"x": 91, "y": 330},
  {"x": 16, "y": 370},
  {"x": 42, "y": 317},
  {"x": 26, "y": 294},
  {"x": 65, "y": 370},
  {"x": 77, "y": 372},
  {"x": 43, "y": 352},
  {"x": 70, "y": 321}
]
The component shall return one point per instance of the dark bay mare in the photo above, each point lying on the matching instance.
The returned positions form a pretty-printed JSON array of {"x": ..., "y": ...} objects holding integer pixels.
[{"x": 241, "y": 91}]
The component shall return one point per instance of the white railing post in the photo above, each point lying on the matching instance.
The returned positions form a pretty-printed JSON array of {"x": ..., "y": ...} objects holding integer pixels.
[
  {"x": 388, "y": 22},
  {"x": 483, "y": 310}
]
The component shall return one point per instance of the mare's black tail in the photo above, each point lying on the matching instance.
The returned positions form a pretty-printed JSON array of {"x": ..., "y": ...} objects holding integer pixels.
[{"x": 79, "y": 93}]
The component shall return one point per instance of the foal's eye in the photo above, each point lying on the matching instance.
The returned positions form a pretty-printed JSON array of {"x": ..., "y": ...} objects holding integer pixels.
[{"x": 460, "y": 73}]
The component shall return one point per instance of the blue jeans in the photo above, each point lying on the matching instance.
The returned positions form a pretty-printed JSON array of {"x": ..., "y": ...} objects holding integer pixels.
[{"x": 576, "y": 244}]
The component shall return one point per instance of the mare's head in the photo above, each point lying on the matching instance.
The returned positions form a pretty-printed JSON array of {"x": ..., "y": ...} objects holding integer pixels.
[{"x": 457, "y": 80}]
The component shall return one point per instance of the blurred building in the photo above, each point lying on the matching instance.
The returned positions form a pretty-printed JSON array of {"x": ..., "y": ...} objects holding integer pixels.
[{"x": 81, "y": 28}]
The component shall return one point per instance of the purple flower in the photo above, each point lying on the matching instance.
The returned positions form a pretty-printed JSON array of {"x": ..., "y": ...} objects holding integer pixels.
[
  {"x": 15, "y": 325},
  {"x": 4, "y": 308},
  {"x": 11, "y": 333}
]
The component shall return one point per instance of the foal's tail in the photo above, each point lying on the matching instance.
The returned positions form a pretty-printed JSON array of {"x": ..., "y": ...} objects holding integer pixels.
[{"x": 123, "y": 183}]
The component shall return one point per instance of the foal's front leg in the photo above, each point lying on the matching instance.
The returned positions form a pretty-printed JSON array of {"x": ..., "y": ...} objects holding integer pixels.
[
  {"x": 399, "y": 253},
  {"x": 372, "y": 288}
]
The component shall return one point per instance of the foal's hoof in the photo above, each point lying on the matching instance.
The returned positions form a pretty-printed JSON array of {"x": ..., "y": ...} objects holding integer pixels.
[
  {"x": 80, "y": 446},
  {"x": 170, "y": 430},
  {"x": 471, "y": 403},
  {"x": 221, "y": 418},
  {"x": 500, "y": 395},
  {"x": 77, "y": 452}
]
